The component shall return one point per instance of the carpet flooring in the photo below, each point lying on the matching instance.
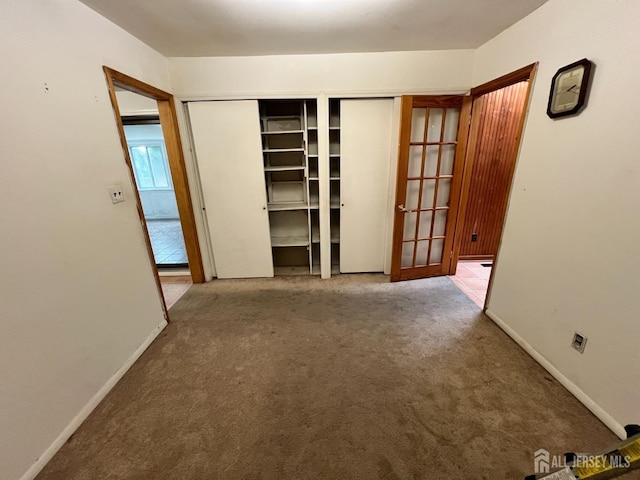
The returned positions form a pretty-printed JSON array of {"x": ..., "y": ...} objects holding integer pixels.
[{"x": 348, "y": 378}]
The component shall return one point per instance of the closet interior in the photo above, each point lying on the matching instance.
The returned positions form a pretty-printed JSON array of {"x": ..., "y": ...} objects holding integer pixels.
[{"x": 289, "y": 131}]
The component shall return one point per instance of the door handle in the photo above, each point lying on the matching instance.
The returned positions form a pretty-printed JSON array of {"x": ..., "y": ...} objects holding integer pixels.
[{"x": 405, "y": 210}]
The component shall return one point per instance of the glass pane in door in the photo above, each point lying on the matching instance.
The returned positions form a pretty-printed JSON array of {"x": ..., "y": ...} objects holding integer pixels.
[{"x": 429, "y": 179}]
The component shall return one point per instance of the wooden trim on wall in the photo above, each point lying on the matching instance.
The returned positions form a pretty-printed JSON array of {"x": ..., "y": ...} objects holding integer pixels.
[
  {"x": 127, "y": 159},
  {"x": 134, "y": 85},
  {"x": 167, "y": 113},
  {"x": 437, "y": 101},
  {"x": 169, "y": 122},
  {"x": 520, "y": 75}
]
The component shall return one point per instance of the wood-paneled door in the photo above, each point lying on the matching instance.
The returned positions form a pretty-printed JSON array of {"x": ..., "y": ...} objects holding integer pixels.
[
  {"x": 492, "y": 151},
  {"x": 433, "y": 138}
]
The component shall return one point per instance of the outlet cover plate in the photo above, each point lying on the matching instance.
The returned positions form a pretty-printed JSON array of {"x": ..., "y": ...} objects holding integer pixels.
[
  {"x": 115, "y": 193},
  {"x": 579, "y": 342}
]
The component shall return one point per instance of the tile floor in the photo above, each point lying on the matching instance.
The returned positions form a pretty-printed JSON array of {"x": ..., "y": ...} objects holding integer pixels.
[
  {"x": 173, "y": 287},
  {"x": 473, "y": 279},
  {"x": 167, "y": 242}
]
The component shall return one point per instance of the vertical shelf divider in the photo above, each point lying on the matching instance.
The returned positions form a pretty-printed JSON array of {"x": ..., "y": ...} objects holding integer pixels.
[
  {"x": 305, "y": 128},
  {"x": 324, "y": 187}
]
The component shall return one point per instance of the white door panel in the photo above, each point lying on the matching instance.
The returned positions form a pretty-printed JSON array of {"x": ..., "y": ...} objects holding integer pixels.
[
  {"x": 228, "y": 150},
  {"x": 365, "y": 143}
]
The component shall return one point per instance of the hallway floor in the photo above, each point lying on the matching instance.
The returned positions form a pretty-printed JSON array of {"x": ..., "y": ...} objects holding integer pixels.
[
  {"x": 473, "y": 279},
  {"x": 173, "y": 287},
  {"x": 167, "y": 242}
]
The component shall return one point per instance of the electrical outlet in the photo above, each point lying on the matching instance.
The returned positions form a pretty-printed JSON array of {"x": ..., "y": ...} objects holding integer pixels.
[
  {"x": 579, "y": 342},
  {"x": 115, "y": 193},
  {"x": 474, "y": 237}
]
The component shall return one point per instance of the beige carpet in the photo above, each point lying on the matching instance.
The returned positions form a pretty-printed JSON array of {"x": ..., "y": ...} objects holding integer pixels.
[{"x": 348, "y": 378}]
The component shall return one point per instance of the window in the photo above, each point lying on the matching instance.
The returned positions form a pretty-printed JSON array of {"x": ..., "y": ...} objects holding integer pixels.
[{"x": 150, "y": 166}]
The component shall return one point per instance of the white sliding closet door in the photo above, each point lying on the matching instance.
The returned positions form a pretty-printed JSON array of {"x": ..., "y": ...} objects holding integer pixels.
[
  {"x": 228, "y": 149},
  {"x": 365, "y": 149}
]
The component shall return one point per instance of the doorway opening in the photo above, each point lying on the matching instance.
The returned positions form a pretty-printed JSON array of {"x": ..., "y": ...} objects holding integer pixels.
[
  {"x": 498, "y": 114},
  {"x": 155, "y": 187},
  {"x": 147, "y": 124}
]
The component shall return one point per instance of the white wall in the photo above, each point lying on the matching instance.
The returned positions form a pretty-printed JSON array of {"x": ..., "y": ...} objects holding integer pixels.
[
  {"x": 290, "y": 76},
  {"x": 131, "y": 103},
  {"x": 77, "y": 291},
  {"x": 569, "y": 259},
  {"x": 386, "y": 73}
]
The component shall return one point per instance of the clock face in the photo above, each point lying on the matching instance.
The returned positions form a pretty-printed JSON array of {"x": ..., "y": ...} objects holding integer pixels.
[{"x": 567, "y": 90}]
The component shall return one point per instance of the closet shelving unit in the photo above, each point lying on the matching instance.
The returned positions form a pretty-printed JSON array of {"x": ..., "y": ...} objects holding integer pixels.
[
  {"x": 314, "y": 187},
  {"x": 290, "y": 152},
  {"x": 334, "y": 182}
]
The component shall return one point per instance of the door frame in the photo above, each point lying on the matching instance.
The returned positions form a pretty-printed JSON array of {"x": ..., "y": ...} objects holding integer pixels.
[
  {"x": 173, "y": 144},
  {"x": 527, "y": 73}
]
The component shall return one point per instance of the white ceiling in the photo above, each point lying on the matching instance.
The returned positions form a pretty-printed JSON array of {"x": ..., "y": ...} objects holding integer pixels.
[{"x": 193, "y": 28}]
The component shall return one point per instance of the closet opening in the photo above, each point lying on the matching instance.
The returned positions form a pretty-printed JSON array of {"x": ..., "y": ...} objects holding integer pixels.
[
  {"x": 289, "y": 135},
  {"x": 155, "y": 186}
]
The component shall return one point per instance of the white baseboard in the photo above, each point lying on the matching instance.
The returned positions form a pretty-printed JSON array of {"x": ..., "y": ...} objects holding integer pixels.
[
  {"x": 90, "y": 406},
  {"x": 596, "y": 409}
]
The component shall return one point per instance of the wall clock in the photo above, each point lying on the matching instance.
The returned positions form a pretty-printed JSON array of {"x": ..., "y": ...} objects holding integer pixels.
[{"x": 569, "y": 89}]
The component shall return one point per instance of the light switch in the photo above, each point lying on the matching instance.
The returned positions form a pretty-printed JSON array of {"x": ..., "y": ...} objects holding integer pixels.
[{"x": 116, "y": 195}]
